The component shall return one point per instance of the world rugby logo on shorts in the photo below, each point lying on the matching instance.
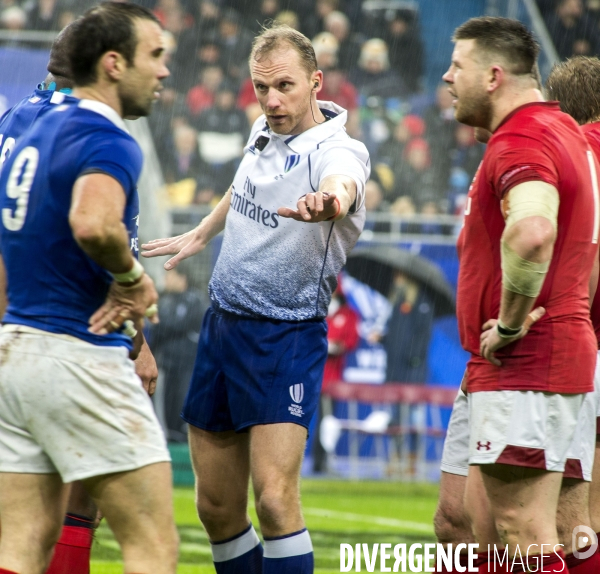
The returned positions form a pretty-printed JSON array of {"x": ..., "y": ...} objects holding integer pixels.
[{"x": 297, "y": 392}]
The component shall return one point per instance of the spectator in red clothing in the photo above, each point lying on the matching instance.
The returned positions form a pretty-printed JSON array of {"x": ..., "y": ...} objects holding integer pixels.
[
  {"x": 170, "y": 11},
  {"x": 202, "y": 96},
  {"x": 342, "y": 337},
  {"x": 337, "y": 88},
  {"x": 408, "y": 128},
  {"x": 247, "y": 102}
]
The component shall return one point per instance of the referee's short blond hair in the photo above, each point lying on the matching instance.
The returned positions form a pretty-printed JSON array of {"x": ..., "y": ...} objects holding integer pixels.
[{"x": 279, "y": 36}]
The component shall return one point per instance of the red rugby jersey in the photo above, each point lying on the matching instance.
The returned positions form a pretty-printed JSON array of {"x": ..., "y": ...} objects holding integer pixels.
[
  {"x": 592, "y": 134},
  {"x": 535, "y": 142}
]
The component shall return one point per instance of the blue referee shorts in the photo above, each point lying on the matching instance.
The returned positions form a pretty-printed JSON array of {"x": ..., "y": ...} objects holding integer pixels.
[{"x": 255, "y": 371}]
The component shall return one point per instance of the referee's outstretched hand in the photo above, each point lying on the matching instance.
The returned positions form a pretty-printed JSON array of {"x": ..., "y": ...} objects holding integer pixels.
[
  {"x": 182, "y": 246},
  {"x": 490, "y": 341},
  {"x": 313, "y": 208}
]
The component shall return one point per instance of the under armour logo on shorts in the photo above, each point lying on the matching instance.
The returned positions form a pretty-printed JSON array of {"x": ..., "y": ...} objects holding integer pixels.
[
  {"x": 484, "y": 445},
  {"x": 297, "y": 392}
]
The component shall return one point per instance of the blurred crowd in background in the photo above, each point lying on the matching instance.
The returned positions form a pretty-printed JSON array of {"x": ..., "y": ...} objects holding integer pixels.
[
  {"x": 373, "y": 62},
  {"x": 574, "y": 26}
]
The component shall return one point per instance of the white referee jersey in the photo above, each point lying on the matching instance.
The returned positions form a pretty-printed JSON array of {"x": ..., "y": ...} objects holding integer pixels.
[{"x": 279, "y": 268}]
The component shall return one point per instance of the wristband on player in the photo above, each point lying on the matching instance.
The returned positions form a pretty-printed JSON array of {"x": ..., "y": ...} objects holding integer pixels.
[
  {"x": 507, "y": 332},
  {"x": 130, "y": 276},
  {"x": 337, "y": 211},
  {"x": 129, "y": 329}
]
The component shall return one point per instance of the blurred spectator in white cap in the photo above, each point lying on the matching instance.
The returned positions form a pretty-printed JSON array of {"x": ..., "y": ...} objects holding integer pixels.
[
  {"x": 349, "y": 44},
  {"x": 373, "y": 76},
  {"x": 326, "y": 50}
]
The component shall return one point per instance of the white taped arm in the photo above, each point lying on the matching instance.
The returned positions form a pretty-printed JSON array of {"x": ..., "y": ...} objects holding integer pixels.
[
  {"x": 527, "y": 248},
  {"x": 532, "y": 198}
]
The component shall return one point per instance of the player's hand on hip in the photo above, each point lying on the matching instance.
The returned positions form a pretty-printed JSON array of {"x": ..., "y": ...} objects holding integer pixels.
[
  {"x": 313, "y": 208},
  {"x": 182, "y": 246},
  {"x": 146, "y": 369},
  {"x": 126, "y": 302},
  {"x": 490, "y": 341}
]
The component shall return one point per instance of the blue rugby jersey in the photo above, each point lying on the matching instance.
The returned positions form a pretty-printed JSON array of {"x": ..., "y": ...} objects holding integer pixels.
[
  {"x": 16, "y": 121},
  {"x": 52, "y": 284}
]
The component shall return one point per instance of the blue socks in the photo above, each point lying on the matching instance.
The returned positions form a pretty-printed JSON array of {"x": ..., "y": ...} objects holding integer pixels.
[
  {"x": 289, "y": 554},
  {"x": 241, "y": 554}
]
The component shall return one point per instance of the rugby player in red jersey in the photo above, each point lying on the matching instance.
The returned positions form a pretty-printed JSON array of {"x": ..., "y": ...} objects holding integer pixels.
[
  {"x": 532, "y": 202},
  {"x": 575, "y": 84}
]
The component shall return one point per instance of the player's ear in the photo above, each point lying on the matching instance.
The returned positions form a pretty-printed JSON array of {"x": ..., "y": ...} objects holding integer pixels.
[
  {"x": 495, "y": 78},
  {"x": 113, "y": 65},
  {"x": 317, "y": 81}
]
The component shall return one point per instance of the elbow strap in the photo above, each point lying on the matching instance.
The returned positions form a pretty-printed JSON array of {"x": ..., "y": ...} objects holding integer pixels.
[{"x": 522, "y": 276}]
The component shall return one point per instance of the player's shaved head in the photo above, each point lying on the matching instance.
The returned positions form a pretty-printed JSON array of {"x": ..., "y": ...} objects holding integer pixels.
[
  {"x": 575, "y": 84},
  {"x": 59, "y": 64},
  {"x": 280, "y": 37},
  {"x": 111, "y": 26},
  {"x": 504, "y": 40}
]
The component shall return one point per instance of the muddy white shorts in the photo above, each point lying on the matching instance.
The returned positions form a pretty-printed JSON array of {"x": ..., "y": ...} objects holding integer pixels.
[
  {"x": 524, "y": 428},
  {"x": 71, "y": 407},
  {"x": 455, "y": 457}
]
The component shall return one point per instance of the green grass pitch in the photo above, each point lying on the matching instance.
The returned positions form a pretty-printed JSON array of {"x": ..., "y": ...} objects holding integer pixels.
[{"x": 336, "y": 512}]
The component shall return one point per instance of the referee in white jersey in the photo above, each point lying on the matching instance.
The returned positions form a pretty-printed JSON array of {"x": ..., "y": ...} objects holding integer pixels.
[{"x": 293, "y": 212}]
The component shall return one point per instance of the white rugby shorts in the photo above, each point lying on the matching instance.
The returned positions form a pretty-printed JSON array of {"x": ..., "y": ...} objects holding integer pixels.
[
  {"x": 525, "y": 428},
  {"x": 455, "y": 457},
  {"x": 72, "y": 407}
]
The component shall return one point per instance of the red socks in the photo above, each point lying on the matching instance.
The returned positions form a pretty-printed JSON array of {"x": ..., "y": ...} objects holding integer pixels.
[
  {"x": 589, "y": 565},
  {"x": 72, "y": 551}
]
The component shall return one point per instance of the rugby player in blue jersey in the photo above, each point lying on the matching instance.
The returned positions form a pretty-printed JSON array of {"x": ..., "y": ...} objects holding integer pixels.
[
  {"x": 291, "y": 215},
  {"x": 72, "y": 551},
  {"x": 73, "y": 406}
]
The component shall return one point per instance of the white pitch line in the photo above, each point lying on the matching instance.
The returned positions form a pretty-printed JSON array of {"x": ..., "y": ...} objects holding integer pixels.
[{"x": 380, "y": 520}]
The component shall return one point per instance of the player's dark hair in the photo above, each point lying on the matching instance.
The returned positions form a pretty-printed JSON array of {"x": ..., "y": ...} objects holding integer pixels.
[
  {"x": 58, "y": 64},
  {"x": 276, "y": 37},
  {"x": 504, "y": 38},
  {"x": 109, "y": 26},
  {"x": 575, "y": 84}
]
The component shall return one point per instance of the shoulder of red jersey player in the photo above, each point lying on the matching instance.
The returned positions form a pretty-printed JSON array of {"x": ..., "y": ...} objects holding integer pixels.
[{"x": 592, "y": 135}]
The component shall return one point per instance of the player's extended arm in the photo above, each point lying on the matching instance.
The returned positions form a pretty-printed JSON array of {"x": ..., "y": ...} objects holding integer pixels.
[
  {"x": 95, "y": 217},
  {"x": 330, "y": 202},
  {"x": 527, "y": 247},
  {"x": 3, "y": 297},
  {"x": 192, "y": 242}
]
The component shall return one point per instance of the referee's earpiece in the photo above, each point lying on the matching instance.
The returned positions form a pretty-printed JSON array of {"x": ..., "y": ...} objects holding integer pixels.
[{"x": 316, "y": 85}]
